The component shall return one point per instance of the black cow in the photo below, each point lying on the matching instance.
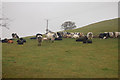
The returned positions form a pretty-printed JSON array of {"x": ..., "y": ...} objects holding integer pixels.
[
  {"x": 21, "y": 41},
  {"x": 4, "y": 40},
  {"x": 38, "y": 35},
  {"x": 84, "y": 39},
  {"x": 14, "y": 35},
  {"x": 104, "y": 35},
  {"x": 59, "y": 36},
  {"x": 89, "y": 41}
]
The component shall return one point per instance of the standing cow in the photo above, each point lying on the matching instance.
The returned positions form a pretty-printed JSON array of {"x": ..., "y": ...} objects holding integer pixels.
[{"x": 39, "y": 39}]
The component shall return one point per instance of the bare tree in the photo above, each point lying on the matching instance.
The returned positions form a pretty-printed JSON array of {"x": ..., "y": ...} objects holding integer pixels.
[
  {"x": 68, "y": 25},
  {"x": 3, "y": 22}
]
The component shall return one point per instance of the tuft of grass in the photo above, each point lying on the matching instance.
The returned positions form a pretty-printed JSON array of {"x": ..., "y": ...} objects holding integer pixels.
[{"x": 105, "y": 69}]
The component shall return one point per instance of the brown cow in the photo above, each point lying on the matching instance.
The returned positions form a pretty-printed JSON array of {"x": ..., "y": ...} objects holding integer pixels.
[{"x": 10, "y": 41}]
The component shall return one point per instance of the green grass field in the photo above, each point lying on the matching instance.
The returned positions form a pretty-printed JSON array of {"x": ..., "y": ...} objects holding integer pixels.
[
  {"x": 61, "y": 59},
  {"x": 96, "y": 28}
]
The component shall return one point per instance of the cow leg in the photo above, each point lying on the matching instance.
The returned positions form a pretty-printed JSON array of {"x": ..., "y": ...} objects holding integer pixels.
[
  {"x": 52, "y": 40},
  {"x": 39, "y": 44}
]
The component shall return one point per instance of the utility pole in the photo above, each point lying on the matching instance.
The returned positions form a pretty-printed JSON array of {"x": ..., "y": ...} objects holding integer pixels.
[{"x": 47, "y": 27}]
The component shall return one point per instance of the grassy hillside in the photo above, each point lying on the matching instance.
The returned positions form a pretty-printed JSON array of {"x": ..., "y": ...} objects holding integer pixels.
[
  {"x": 96, "y": 28},
  {"x": 63, "y": 59}
]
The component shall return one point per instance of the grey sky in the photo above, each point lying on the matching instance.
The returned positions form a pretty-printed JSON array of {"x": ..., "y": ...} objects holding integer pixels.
[
  {"x": 60, "y": 0},
  {"x": 29, "y": 18}
]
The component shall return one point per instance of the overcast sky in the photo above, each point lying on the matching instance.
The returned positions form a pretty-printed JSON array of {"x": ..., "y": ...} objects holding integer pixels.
[{"x": 29, "y": 18}]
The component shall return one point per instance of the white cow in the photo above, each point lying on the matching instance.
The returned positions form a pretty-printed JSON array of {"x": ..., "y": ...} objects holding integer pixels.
[
  {"x": 111, "y": 34},
  {"x": 51, "y": 36},
  {"x": 39, "y": 39},
  {"x": 89, "y": 35},
  {"x": 44, "y": 39},
  {"x": 75, "y": 36},
  {"x": 81, "y": 34},
  {"x": 117, "y": 34}
]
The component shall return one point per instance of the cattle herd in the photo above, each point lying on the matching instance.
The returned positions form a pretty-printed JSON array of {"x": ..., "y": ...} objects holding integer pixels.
[{"x": 52, "y": 36}]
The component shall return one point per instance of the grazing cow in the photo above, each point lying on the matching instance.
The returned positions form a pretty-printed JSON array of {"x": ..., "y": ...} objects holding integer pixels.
[
  {"x": 21, "y": 41},
  {"x": 39, "y": 38},
  {"x": 104, "y": 35},
  {"x": 51, "y": 36},
  {"x": 89, "y": 35}
]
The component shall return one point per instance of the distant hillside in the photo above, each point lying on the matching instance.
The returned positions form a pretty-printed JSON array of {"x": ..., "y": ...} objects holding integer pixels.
[{"x": 103, "y": 26}]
